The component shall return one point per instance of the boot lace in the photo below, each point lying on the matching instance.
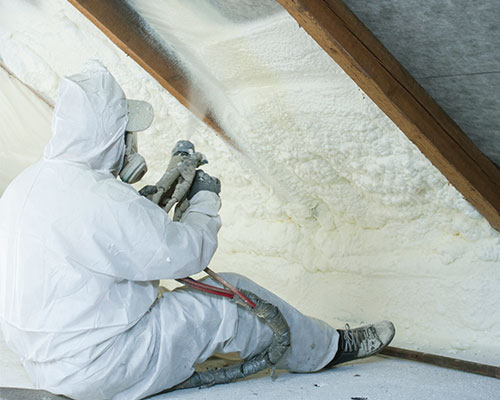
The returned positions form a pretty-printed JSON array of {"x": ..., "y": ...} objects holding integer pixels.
[
  {"x": 350, "y": 344},
  {"x": 360, "y": 340}
]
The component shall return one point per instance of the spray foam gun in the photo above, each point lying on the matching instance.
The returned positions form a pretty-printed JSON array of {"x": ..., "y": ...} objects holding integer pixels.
[
  {"x": 174, "y": 185},
  {"x": 172, "y": 189}
]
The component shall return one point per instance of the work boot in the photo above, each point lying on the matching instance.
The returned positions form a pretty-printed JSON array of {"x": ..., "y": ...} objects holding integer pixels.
[{"x": 362, "y": 342}]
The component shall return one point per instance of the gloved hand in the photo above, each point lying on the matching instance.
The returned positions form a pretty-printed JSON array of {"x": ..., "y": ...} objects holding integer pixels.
[
  {"x": 148, "y": 190},
  {"x": 203, "y": 181}
]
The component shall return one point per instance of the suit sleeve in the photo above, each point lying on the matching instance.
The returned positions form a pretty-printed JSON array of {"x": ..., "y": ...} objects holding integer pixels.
[{"x": 140, "y": 242}]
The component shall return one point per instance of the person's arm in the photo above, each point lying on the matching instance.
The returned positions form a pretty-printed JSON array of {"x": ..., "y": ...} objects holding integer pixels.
[{"x": 144, "y": 244}]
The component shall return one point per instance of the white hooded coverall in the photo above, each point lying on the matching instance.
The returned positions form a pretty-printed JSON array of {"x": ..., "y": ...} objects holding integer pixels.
[{"x": 81, "y": 256}]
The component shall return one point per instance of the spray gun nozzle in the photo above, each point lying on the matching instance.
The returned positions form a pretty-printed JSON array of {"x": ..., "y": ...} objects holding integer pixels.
[{"x": 183, "y": 147}]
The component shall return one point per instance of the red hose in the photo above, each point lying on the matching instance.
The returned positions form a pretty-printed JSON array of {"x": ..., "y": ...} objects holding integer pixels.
[
  {"x": 230, "y": 292},
  {"x": 206, "y": 288},
  {"x": 231, "y": 287}
]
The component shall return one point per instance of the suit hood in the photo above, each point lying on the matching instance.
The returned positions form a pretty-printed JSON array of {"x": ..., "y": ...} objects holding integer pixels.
[{"x": 89, "y": 120}]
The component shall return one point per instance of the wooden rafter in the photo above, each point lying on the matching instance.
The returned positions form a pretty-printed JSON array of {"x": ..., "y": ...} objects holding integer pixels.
[
  {"x": 361, "y": 55},
  {"x": 128, "y": 30}
]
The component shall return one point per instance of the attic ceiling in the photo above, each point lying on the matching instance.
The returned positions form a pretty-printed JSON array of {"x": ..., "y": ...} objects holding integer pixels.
[
  {"x": 452, "y": 48},
  {"x": 353, "y": 48}
]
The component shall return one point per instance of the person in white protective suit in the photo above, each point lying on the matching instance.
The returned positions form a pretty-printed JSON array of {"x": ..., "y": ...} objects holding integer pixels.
[{"x": 82, "y": 254}]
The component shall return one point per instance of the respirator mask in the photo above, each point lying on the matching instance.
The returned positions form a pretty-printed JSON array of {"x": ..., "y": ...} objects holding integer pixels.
[
  {"x": 140, "y": 116},
  {"x": 134, "y": 165}
]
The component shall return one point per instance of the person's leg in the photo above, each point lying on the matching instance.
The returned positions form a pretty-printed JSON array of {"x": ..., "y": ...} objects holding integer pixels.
[
  {"x": 184, "y": 328},
  {"x": 313, "y": 342}
]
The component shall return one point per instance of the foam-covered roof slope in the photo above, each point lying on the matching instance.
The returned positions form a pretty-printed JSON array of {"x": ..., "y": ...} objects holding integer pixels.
[
  {"x": 267, "y": 75},
  {"x": 346, "y": 40}
]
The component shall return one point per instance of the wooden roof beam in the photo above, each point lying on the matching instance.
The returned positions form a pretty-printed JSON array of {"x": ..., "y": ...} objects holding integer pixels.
[
  {"x": 128, "y": 30},
  {"x": 361, "y": 55}
]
